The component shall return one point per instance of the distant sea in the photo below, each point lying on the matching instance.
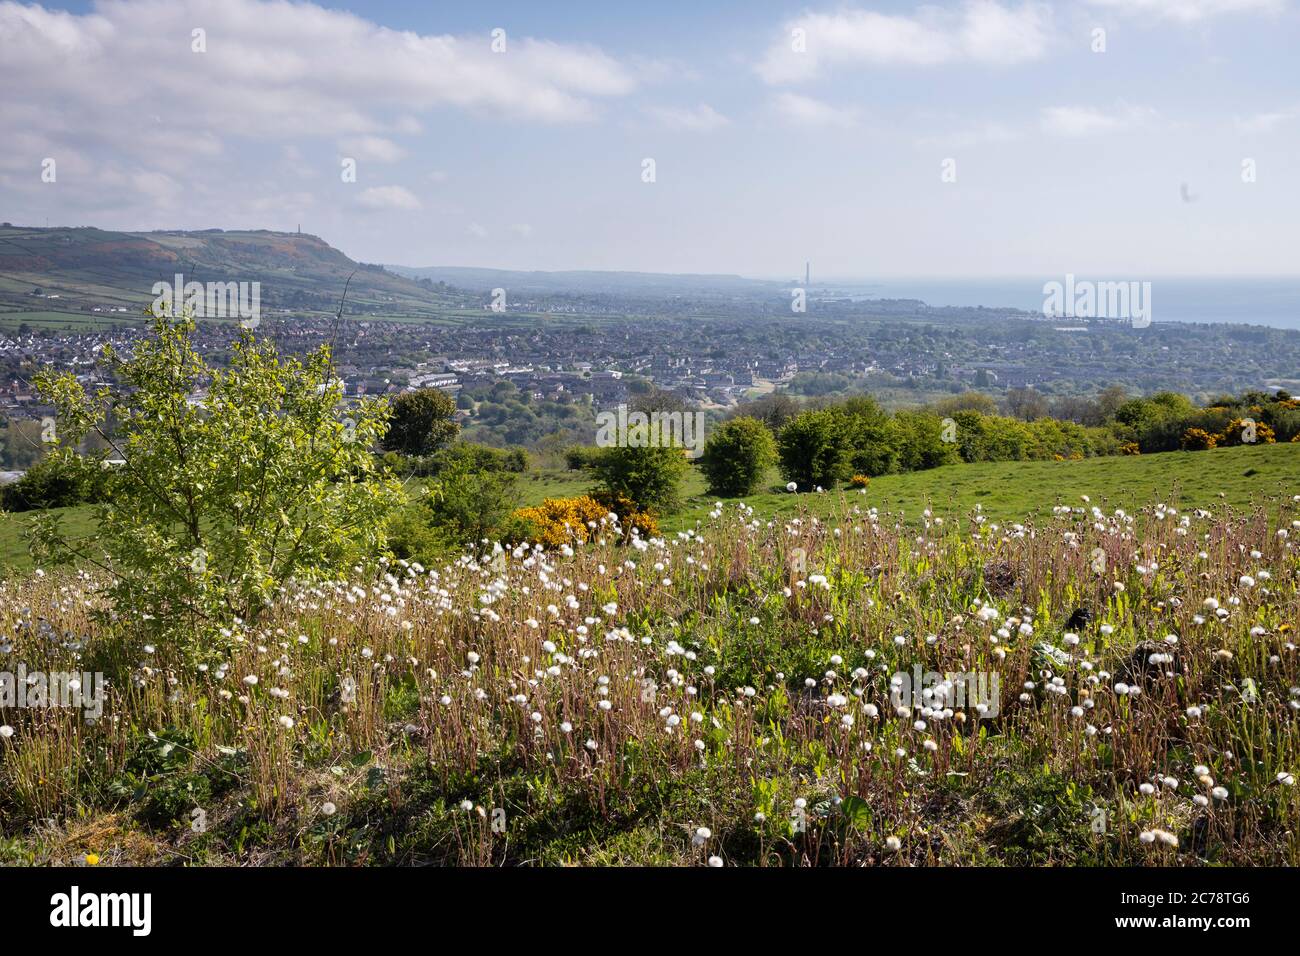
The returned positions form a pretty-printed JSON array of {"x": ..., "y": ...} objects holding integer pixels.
[{"x": 1252, "y": 301}]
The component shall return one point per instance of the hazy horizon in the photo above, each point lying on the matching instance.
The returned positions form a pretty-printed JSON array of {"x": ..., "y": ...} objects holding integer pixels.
[{"x": 1258, "y": 300}]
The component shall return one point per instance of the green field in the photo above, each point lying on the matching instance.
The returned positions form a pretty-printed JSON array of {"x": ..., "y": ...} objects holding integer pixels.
[
  {"x": 1019, "y": 489},
  {"x": 1006, "y": 491}
]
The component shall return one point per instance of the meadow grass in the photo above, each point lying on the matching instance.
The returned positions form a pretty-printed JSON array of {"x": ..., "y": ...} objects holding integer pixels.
[
  {"x": 1004, "y": 490},
  {"x": 716, "y": 696},
  {"x": 79, "y": 522}
]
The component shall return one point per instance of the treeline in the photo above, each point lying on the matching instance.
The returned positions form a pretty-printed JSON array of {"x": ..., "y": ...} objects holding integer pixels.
[
  {"x": 856, "y": 440},
  {"x": 823, "y": 444},
  {"x": 1168, "y": 421}
]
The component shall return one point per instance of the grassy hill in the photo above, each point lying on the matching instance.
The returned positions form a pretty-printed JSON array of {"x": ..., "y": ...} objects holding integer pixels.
[
  {"x": 79, "y": 270},
  {"x": 1006, "y": 491}
]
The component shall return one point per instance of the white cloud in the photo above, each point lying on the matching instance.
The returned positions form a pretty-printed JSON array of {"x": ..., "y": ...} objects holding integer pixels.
[
  {"x": 806, "y": 111},
  {"x": 121, "y": 84},
  {"x": 1191, "y": 11},
  {"x": 373, "y": 148},
  {"x": 160, "y": 188},
  {"x": 702, "y": 118},
  {"x": 980, "y": 135},
  {"x": 279, "y": 67},
  {"x": 477, "y": 231},
  {"x": 981, "y": 31},
  {"x": 1079, "y": 121},
  {"x": 522, "y": 229},
  {"x": 992, "y": 33},
  {"x": 388, "y": 197},
  {"x": 1266, "y": 122},
  {"x": 282, "y": 205}
]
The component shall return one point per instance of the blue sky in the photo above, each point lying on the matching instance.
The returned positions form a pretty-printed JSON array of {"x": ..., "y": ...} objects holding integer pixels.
[{"x": 1058, "y": 158}]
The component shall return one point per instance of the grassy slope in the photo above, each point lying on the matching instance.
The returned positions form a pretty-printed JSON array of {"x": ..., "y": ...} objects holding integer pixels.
[
  {"x": 1021, "y": 489},
  {"x": 79, "y": 522},
  {"x": 1006, "y": 490}
]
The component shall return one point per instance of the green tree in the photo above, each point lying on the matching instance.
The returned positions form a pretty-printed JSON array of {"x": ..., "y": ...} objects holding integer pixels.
[
  {"x": 234, "y": 483},
  {"x": 870, "y": 435},
  {"x": 475, "y": 495},
  {"x": 736, "y": 455},
  {"x": 965, "y": 402},
  {"x": 421, "y": 423},
  {"x": 647, "y": 469},
  {"x": 814, "y": 450},
  {"x": 918, "y": 439},
  {"x": 56, "y": 481}
]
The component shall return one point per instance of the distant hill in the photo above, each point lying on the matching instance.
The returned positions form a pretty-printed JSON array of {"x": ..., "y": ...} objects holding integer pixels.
[
  {"x": 74, "y": 271},
  {"x": 650, "y": 284}
]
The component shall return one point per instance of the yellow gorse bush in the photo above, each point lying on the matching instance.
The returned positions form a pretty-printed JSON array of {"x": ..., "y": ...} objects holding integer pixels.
[
  {"x": 558, "y": 521},
  {"x": 1198, "y": 439},
  {"x": 1236, "y": 431}
]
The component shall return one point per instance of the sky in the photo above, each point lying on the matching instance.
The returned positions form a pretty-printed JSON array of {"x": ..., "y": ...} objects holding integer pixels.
[{"x": 979, "y": 138}]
